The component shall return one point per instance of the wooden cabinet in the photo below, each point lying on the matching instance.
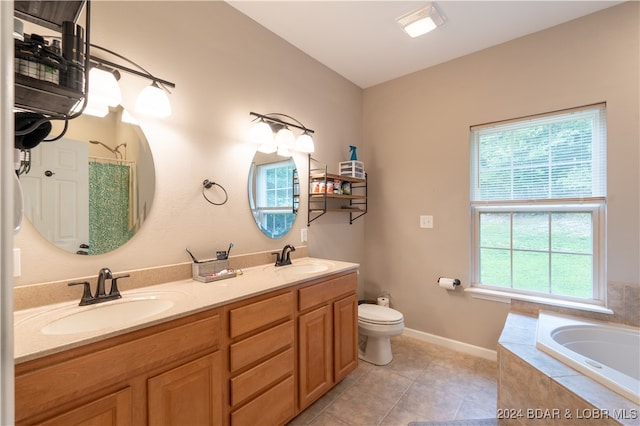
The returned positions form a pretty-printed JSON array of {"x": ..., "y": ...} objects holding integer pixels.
[
  {"x": 111, "y": 410},
  {"x": 315, "y": 332},
  {"x": 106, "y": 381},
  {"x": 327, "y": 335},
  {"x": 256, "y": 361},
  {"x": 345, "y": 336},
  {"x": 189, "y": 394}
]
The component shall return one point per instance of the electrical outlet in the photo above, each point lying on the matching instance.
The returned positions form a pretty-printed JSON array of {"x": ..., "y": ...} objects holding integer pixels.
[
  {"x": 426, "y": 221},
  {"x": 16, "y": 263},
  {"x": 303, "y": 235}
]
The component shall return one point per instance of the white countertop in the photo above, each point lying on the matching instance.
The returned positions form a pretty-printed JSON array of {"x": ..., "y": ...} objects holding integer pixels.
[{"x": 187, "y": 297}]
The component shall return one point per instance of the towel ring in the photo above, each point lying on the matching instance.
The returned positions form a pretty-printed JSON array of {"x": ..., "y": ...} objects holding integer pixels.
[{"x": 207, "y": 184}]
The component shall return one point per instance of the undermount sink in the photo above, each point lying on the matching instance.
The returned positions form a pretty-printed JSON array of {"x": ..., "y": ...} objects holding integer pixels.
[
  {"x": 301, "y": 269},
  {"x": 107, "y": 315}
]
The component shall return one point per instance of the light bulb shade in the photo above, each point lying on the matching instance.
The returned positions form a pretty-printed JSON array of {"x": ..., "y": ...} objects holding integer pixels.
[
  {"x": 285, "y": 138},
  {"x": 304, "y": 143},
  {"x": 103, "y": 88},
  {"x": 261, "y": 133},
  {"x": 153, "y": 101}
]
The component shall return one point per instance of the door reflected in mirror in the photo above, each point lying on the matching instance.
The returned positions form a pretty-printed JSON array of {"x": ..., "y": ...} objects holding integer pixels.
[
  {"x": 90, "y": 191},
  {"x": 274, "y": 193}
]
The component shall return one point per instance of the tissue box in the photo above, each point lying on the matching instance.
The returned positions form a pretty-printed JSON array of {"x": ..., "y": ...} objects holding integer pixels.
[
  {"x": 204, "y": 271},
  {"x": 352, "y": 169}
]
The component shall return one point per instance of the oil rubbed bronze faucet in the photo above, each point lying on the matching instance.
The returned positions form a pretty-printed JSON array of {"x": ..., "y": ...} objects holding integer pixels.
[
  {"x": 284, "y": 258},
  {"x": 100, "y": 296}
]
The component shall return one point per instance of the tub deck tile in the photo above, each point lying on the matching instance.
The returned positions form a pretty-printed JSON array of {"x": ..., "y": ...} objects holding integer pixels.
[{"x": 548, "y": 365}]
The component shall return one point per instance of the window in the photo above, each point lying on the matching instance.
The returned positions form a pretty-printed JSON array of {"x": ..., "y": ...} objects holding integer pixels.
[
  {"x": 275, "y": 207},
  {"x": 538, "y": 199}
]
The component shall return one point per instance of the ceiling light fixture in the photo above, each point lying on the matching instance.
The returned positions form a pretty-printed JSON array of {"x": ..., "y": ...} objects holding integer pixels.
[
  {"x": 421, "y": 21},
  {"x": 273, "y": 133}
]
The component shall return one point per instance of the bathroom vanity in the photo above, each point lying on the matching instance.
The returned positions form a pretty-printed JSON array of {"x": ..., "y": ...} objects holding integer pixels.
[{"x": 258, "y": 349}]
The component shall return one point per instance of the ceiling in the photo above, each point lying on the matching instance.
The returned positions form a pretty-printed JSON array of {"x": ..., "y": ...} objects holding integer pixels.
[{"x": 361, "y": 41}]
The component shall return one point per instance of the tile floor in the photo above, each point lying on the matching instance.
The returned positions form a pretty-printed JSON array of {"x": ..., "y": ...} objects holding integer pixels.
[{"x": 424, "y": 382}]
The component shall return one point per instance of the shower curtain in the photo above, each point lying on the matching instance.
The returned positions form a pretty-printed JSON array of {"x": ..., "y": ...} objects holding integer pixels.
[{"x": 111, "y": 192}]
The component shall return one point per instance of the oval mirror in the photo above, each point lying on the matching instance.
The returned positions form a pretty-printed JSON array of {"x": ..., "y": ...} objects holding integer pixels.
[
  {"x": 274, "y": 193},
  {"x": 90, "y": 191}
]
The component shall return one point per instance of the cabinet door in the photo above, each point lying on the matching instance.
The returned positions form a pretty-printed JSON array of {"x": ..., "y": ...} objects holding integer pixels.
[
  {"x": 345, "y": 331},
  {"x": 188, "y": 395},
  {"x": 315, "y": 354},
  {"x": 111, "y": 410}
]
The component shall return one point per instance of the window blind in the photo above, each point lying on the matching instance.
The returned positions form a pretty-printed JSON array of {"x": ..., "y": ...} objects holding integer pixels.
[{"x": 559, "y": 156}]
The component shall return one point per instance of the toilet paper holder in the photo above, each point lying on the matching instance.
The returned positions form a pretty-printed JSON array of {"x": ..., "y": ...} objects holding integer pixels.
[{"x": 448, "y": 283}]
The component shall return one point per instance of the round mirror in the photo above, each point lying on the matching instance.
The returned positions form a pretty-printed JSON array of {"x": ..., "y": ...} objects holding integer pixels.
[
  {"x": 274, "y": 193},
  {"x": 90, "y": 191}
]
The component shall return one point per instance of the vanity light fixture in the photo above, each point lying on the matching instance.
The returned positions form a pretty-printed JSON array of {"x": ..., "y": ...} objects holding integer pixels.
[
  {"x": 104, "y": 90},
  {"x": 153, "y": 101},
  {"x": 103, "y": 86},
  {"x": 421, "y": 21},
  {"x": 304, "y": 143},
  {"x": 261, "y": 132},
  {"x": 285, "y": 140},
  {"x": 266, "y": 125}
]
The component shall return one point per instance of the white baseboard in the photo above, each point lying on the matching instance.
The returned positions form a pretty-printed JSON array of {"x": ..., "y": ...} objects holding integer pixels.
[{"x": 452, "y": 344}]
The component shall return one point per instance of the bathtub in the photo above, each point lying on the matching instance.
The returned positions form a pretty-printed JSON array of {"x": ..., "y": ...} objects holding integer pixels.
[{"x": 607, "y": 353}]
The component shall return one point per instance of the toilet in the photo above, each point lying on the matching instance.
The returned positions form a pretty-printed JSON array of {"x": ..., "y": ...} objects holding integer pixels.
[{"x": 376, "y": 325}]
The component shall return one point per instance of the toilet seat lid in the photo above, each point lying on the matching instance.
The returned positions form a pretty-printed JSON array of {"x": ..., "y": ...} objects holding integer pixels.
[{"x": 377, "y": 314}]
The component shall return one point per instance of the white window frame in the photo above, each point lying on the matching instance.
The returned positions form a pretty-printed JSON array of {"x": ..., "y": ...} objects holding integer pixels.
[
  {"x": 261, "y": 195},
  {"x": 597, "y": 211},
  {"x": 596, "y": 206},
  {"x": 262, "y": 207}
]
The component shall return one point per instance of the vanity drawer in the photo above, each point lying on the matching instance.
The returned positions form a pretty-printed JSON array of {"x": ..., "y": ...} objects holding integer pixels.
[
  {"x": 261, "y": 376},
  {"x": 327, "y": 290},
  {"x": 254, "y": 348},
  {"x": 259, "y": 314},
  {"x": 274, "y": 407}
]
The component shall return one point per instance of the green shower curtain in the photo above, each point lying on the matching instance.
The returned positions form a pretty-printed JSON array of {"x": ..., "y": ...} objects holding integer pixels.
[{"x": 108, "y": 206}]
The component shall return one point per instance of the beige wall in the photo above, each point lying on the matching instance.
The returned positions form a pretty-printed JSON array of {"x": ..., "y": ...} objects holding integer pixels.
[
  {"x": 417, "y": 133},
  {"x": 224, "y": 65}
]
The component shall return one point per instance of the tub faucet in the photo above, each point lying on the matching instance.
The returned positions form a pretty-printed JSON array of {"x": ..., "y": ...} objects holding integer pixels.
[{"x": 284, "y": 258}]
